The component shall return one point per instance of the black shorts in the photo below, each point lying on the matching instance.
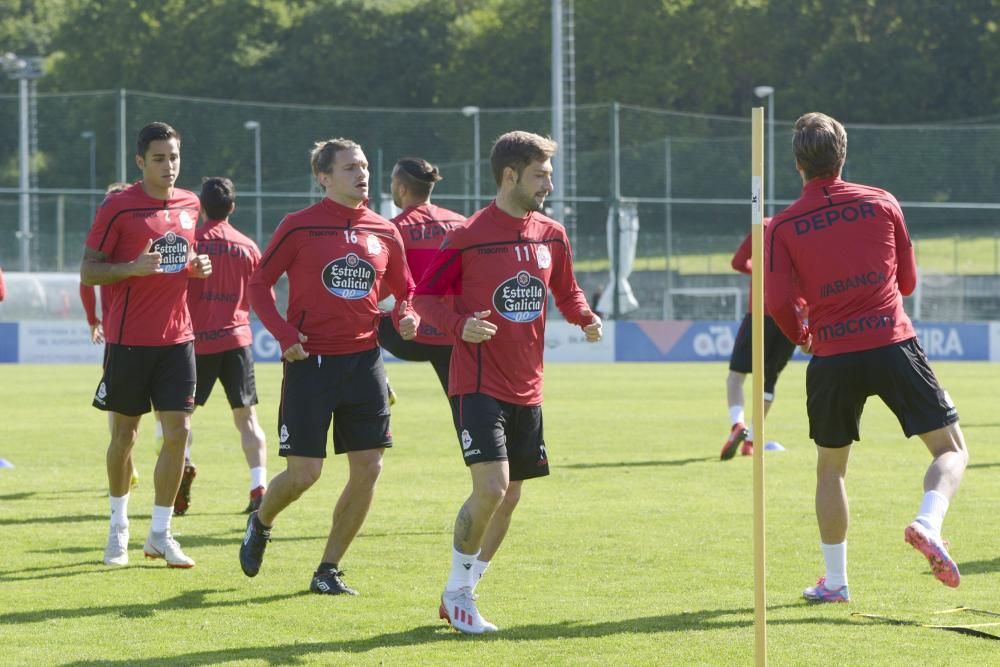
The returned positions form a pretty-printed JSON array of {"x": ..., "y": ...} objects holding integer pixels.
[
  {"x": 777, "y": 351},
  {"x": 408, "y": 350},
  {"x": 492, "y": 430},
  {"x": 837, "y": 387},
  {"x": 234, "y": 368},
  {"x": 136, "y": 376},
  {"x": 350, "y": 389}
]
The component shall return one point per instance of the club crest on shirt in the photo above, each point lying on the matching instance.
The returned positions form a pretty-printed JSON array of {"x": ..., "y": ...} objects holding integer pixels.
[
  {"x": 543, "y": 256},
  {"x": 374, "y": 245},
  {"x": 173, "y": 251},
  {"x": 520, "y": 298},
  {"x": 349, "y": 277}
]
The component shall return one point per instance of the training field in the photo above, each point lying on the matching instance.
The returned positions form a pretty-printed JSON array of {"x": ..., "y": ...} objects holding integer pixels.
[{"x": 636, "y": 551}]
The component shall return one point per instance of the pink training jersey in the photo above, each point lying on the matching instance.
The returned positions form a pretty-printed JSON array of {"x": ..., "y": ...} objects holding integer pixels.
[
  {"x": 423, "y": 228},
  {"x": 220, "y": 304},
  {"x": 847, "y": 247},
  {"x": 508, "y": 266},
  {"x": 336, "y": 259},
  {"x": 147, "y": 310}
]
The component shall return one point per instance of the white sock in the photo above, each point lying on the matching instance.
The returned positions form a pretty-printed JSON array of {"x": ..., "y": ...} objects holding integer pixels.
[
  {"x": 478, "y": 570},
  {"x": 161, "y": 518},
  {"x": 736, "y": 415},
  {"x": 258, "y": 477},
  {"x": 750, "y": 432},
  {"x": 835, "y": 556},
  {"x": 119, "y": 510},
  {"x": 932, "y": 510},
  {"x": 461, "y": 570}
]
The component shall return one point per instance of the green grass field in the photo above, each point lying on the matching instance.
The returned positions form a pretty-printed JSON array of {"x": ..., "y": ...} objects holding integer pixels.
[{"x": 636, "y": 551}]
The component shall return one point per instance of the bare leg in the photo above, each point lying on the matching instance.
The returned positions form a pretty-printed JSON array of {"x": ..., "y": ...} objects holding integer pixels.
[
  {"x": 831, "y": 495},
  {"x": 496, "y": 530},
  {"x": 947, "y": 446},
  {"x": 354, "y": 502},
  {"x": 300, "y": 474},
  {"x": 124, "y": 430},
  {"x": 170, "y": 462},
  {"x": 251, "y": 436},
  {"x": 489, "y": 486}
]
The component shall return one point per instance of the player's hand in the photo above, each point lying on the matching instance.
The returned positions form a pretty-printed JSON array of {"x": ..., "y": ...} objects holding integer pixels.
[
  {"x": 407, "y": 323},
  {"x": 148, "y": 261},
  {"x": 201, "y": 266},
  {"x": 477, "y": 329},
  {"x": 97, "y": 334},
  {"x": 593, "y": 330},
  {"x": 296, "y": 352},
  {"x": 807, "y": 347}
]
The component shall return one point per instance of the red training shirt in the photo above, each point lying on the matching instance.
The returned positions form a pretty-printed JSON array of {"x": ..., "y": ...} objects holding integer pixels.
[
  {"x": 220, "y": 305},
  {"x": 423, "y": 228},
  {"x": 847, "y": 247},
  {"x": 742, "y": 262},
  {"x": 147, "y": 310},
  {"x": 508, "y": 266},
  {"x": 336, "y": 259}
]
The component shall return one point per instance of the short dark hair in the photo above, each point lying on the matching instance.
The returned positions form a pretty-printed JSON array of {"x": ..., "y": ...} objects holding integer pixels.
[
  {"x": 819, "y": 144},
  {"x": 155, "y": 132},
  {"x": 517, "y": 150},
  {"x": 218, "y": 197},
  {"x": 418, "y": 174},
  {"x": 324, "y": 153}
]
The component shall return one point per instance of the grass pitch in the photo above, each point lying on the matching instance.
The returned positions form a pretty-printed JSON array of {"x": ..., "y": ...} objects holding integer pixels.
[{"x": 636, "y": 551}]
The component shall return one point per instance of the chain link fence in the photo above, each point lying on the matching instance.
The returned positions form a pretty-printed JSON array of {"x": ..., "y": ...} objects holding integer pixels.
[{"x": 688, "y": 174}]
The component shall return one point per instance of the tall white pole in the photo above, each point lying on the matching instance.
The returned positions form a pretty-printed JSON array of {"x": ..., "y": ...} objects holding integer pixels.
[
  {"x": 558, "y": 106},
  {"x": 24, "y": 162},
  {"x": 257, "y": 181}
]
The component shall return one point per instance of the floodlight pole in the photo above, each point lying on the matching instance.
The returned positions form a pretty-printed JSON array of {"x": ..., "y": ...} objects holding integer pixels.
[
  {"x": 254, "y": 126},
  {"x": 24, "y": 70},
  {"x": 473, "y": 112},
  {"x": 91, "y": 137}
]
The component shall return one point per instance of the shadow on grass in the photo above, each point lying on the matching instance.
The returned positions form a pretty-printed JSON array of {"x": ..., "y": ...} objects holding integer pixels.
[
  {"x": 294, "y": 653},
  {"x": 24, "y": 495},
  {"x": 983, "y": 465},
  {"x": 638, "y": 464},
  {"x": 187, "y": 600},
  {"x": 71, "y": 518},
  {"x": 980, "y": 566}
]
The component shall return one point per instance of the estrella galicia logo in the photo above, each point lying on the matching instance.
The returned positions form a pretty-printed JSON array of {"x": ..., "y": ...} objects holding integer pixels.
[
  {"x": 173, "y": 251},
  {"x": 349, "y": 277},
  {"x": 521, "y": 298}
]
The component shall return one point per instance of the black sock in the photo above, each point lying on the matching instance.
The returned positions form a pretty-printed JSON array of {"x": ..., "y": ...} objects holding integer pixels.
[
  {"x": 260, "y": 524},
  {"x": 325, "y": 567}
]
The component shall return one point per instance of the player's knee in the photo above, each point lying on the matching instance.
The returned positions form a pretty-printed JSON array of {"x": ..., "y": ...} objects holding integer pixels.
[
  {"x": 367, "y": 472},
  {"x": 512, "y": 496},
  {"x": 304, "y": 476}
]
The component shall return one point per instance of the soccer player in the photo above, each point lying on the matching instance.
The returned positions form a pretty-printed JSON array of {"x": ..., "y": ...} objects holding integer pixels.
[
  {"x": 846, "y": 247},
  {"x": 142, "y": 242},
  {"x": 338, "y": 256},
  {"x": 88, "y": 297},
  {"x": 777, "y": 351},
  {"x": 423, "y": 226},
  {"x": 489, "y": 286},
  {"x": 220, "y": 314}
]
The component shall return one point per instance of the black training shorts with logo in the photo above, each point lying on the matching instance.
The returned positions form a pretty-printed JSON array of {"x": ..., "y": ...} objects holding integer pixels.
[
  {"x": 136, "y": 376},
  {"x": 234, "y": 369},
  {"x": 349, "y": 388},
  {"x": 493, "y": 430},
  {"x": 410, "y": 350},
  {"x": 777, "y": 351},
  {"x": 837, "y": 387}
]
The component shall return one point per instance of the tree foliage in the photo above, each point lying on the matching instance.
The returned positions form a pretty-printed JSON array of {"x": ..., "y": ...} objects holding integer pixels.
[{"x": 863, "y": 60}]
